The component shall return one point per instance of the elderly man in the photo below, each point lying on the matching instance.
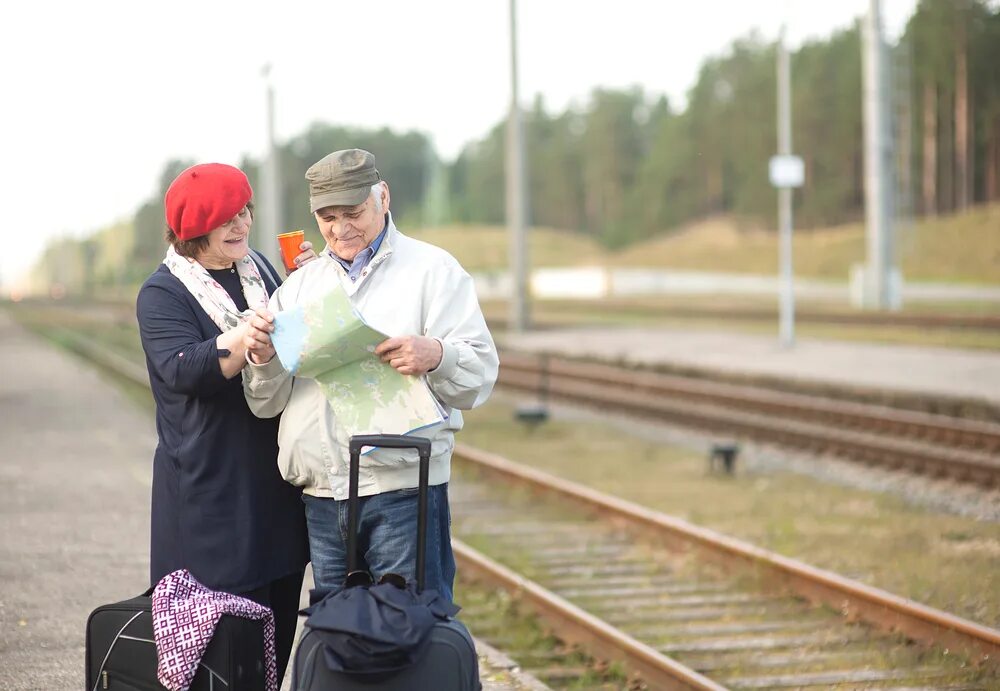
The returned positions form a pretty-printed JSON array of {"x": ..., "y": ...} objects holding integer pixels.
[{"x": 420, "y": 295}]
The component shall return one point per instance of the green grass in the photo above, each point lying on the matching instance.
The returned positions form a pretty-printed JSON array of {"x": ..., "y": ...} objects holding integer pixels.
[
  {"x": 958, "y": 248},
  {"x": 486, "y": 248},
  {"x": 961, "y": 248},
  {"x": 948, "y": 562},
  {"x": 628, "y": 314}
]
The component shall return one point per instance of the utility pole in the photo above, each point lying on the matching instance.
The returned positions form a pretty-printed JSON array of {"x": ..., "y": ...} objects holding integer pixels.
[
  {"x": 271, "y": 214},
  {"x": 435, "y": 201},
  {"x": 879, "y": 189},
  {"x": 901, "y": 74},
  {"x": 518, "y": 320},
  {"x": 786, "y": 173}
]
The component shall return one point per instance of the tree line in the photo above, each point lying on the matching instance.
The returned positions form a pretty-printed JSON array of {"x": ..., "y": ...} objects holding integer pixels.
[{"x": 628, "y": 165}]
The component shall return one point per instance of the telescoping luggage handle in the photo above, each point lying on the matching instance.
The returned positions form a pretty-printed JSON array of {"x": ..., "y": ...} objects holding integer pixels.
[{"x": 388, "y": 441}]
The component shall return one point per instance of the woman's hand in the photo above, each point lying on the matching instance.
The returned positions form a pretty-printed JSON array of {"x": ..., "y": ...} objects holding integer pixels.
[{"x": 257, "y": 335}]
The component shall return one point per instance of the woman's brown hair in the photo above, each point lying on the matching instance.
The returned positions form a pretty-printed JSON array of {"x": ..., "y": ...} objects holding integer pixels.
[{"x": 193, "y": 247}]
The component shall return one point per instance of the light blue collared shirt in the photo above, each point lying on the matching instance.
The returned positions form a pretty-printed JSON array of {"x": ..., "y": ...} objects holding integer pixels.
[{"x": 361, "y": 260}]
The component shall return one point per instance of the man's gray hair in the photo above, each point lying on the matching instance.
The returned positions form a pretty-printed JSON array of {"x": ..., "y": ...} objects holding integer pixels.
[{"x": 377, "y": 196}]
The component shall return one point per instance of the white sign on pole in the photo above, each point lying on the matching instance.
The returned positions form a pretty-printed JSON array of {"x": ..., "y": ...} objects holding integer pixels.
[{"x": 786, "y": 171}]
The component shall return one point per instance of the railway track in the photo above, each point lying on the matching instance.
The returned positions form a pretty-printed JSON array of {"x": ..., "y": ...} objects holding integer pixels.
[
  {"x": 915, "y": 320},
  {"x": 936, "y": 445},
  {"x": 122, "y": 316},
  {"x": 681, "y": 606},
  {"x": 684, "y": 607}
]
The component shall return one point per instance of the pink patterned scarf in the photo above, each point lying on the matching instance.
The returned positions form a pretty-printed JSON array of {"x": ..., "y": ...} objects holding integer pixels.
[{"x": 185, "y": 614}]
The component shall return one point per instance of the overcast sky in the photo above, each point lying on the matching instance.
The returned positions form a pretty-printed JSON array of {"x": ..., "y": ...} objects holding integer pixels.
[{"x": 98, "y": 95}]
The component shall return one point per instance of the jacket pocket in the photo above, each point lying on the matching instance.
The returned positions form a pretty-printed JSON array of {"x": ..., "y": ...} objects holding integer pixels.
[
  {"x": 389, "y": 457},
  {"x": 300, "y": 455}
]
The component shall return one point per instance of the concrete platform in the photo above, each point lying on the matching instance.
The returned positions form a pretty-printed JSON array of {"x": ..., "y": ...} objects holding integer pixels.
[
  {"x": 954, "y": 373},
  {"x": 74, "y": 507},
  {"x": 75, "y": 458}
]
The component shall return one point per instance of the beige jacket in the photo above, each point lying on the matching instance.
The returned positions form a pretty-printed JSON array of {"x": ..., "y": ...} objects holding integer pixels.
[{"x": 409, "y": 287}]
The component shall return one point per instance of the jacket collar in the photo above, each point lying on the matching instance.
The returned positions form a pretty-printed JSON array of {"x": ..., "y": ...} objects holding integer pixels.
[
  {"x": 384, "y": 252},
  {"x": 388, "y": 242}
]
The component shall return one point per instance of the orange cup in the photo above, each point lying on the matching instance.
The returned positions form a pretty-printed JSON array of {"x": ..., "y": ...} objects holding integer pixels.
[{"x": 289, "y": 243}]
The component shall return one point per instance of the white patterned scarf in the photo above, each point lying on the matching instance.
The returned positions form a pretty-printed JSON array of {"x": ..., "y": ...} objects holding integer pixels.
[{"x": 212, "y": 297}]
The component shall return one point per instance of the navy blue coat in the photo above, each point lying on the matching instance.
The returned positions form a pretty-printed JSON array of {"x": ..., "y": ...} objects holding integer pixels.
[{"x": 220, "y": 508}]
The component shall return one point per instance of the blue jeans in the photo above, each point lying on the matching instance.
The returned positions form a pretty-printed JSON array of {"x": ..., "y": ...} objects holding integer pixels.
[{"x": 387, "y": 531}]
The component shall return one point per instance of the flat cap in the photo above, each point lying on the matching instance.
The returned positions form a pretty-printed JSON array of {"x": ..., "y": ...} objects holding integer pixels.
[{"x": 343, "y": 178}]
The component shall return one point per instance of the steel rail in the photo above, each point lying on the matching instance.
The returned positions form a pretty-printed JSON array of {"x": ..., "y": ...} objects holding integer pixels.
[
  {"x": 973, "y": 322},
  {"x": 853, "y": 599},
  {"x": 928, "y": 320},
  {"x": 871, "y": 434},
  {"x": 968, "y": 433},
  {"x": 924, "y": 321},
  {"x": 864, "y": 447},
  {"x": 575, "y": 625}
]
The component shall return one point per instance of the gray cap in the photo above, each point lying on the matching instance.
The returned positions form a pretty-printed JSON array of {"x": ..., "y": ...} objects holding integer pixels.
[{"x": 343, "y": 178}]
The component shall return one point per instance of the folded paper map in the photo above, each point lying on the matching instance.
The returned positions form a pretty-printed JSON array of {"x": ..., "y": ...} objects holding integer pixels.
[{"x": 327, "y": 340}]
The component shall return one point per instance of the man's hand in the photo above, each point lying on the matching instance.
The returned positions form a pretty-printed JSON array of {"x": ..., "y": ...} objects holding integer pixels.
[
  {"x": 257, "y": 338},
  {"x": 414, "y": 355},
  {"x": 306, "y": 256}
]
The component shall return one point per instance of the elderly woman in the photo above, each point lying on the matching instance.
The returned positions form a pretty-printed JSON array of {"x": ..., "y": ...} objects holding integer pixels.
[{"x": 219, "y": 505}]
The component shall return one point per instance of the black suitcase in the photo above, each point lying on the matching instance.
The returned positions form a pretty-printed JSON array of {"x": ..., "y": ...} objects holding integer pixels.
[
  {"x": 121, "y": 651},
  {"x": 449, "y": 661}
]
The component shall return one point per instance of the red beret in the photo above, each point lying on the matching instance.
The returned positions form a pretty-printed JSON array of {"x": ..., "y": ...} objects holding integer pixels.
[{"x": 204, "y": 197}]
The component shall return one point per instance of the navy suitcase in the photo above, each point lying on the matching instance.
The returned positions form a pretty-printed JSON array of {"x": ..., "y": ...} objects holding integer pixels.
[
  {"x": 121, "y": 651},
  {"x": 449, "y": 661}
]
